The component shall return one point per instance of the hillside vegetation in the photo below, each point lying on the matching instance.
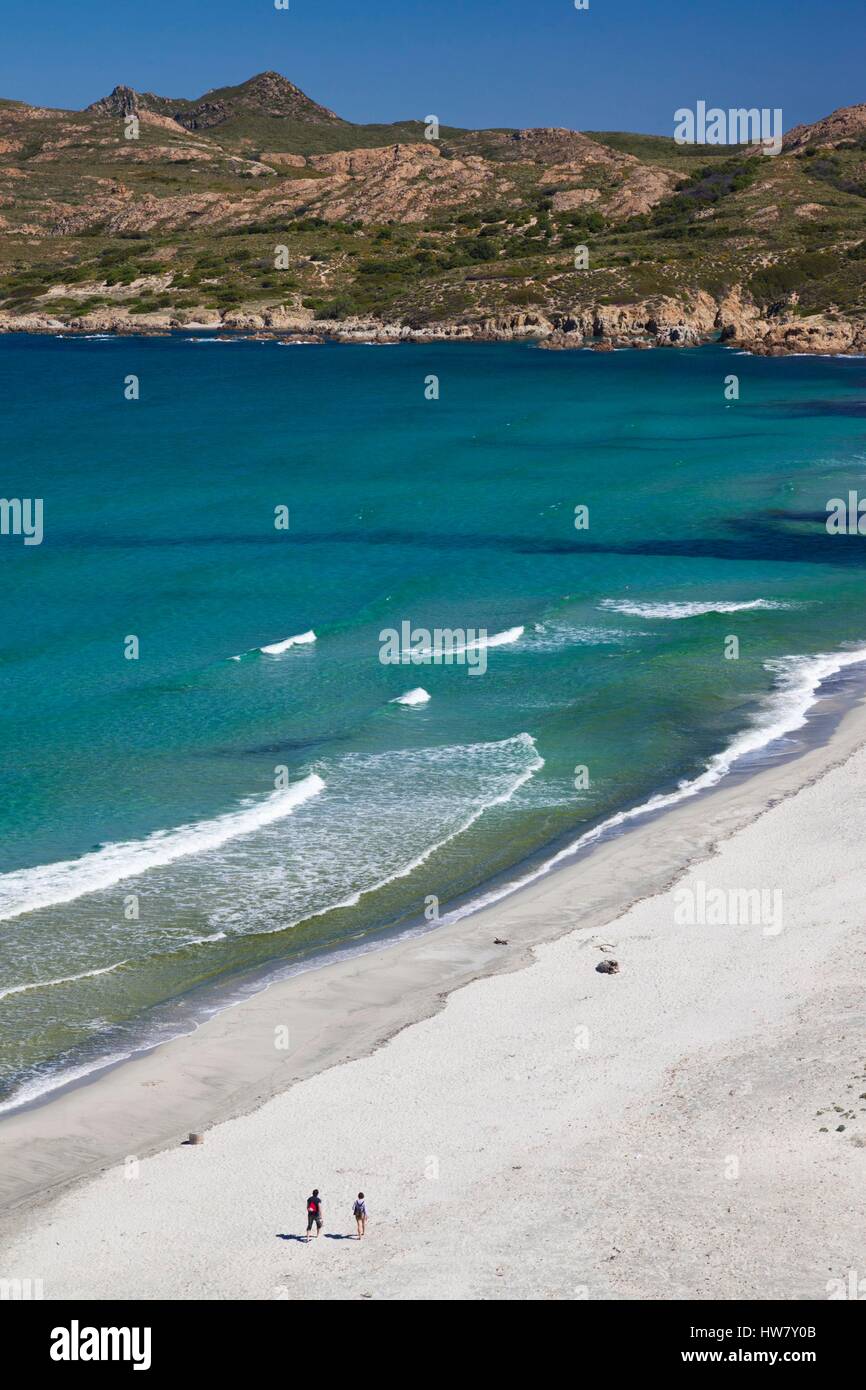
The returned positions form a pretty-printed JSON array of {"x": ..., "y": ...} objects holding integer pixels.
[{"x": 254, "y": 206}]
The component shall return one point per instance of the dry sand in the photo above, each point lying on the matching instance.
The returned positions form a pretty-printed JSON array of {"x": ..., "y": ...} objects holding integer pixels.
[{"x": 545, "y": 1131}]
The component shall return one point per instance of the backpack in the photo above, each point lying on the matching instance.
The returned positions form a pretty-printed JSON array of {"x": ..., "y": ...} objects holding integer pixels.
[{"x": 312, "y": 1206}]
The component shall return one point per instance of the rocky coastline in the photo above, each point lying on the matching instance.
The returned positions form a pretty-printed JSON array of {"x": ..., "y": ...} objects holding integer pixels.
[{"x": 659, "y": 322}]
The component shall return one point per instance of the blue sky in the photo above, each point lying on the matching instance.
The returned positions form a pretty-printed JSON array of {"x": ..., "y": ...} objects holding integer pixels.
[{"x": 620, "y": 65}]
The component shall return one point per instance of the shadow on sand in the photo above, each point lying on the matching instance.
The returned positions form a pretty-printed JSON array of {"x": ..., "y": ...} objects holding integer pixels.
[{"x": 329, "y": 1235}]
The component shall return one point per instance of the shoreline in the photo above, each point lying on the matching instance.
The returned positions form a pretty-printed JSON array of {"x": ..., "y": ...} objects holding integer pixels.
[
  {"x": 802, "y": 726},
  {"x": 228, "y": 1065},
  {"x": 793, "y": 342},
  {"x": 688, "y": 1128}
]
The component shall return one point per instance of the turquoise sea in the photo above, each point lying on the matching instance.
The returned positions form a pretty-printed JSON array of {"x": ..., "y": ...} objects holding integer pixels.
[{"x": 179, "y": 827}]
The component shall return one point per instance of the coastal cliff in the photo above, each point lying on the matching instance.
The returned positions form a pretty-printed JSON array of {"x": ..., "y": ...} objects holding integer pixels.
[{"x": 662, "y": 322}]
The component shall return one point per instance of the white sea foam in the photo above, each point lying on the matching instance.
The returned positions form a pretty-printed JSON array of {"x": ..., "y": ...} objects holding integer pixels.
[
  {"x": 535, "y": 764},
  {"x": 26, "y": 890},
  {"x": 408, "y": 801},
  {"x": 685, "y": 610},
  {"x": 499, "y": 639},
  {"x": 61, "y": 980},
  {"x": 301, "y": 640},
  {"x": 553, "y": 636},
  {"x": 418, "y": 696},
  {"x": 797, "y": 683}
]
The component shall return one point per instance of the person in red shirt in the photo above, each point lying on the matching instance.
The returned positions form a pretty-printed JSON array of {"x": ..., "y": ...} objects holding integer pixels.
[{"x": 314, "y": 1213}]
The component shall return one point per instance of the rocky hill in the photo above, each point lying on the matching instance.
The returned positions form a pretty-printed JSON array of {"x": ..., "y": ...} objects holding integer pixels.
[
  {"x": 267, "y": 95},
  {"x": 846, "y": 124},
  {"x": 255, "y": 207}
]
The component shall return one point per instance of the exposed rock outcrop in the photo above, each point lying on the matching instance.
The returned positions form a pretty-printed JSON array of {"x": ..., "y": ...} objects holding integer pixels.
[
  {"x": 399, "y": 182},
  {"x": 267, "y": 94},
  {"x": 284, "y": 161},
  {"x": 122, "y": 101},
  {"x": 571, "y": 198},
  {"x": 517, "y": 325},
  {"x": 816, "y": 333},
  {"x": 659, "y": 322},
  {"x": 846, "y": 123},
  {"x": 642, "y": 188}
]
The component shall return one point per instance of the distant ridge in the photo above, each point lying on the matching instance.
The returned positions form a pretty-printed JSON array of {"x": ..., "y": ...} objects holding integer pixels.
[{"x": 267, "y": 94}]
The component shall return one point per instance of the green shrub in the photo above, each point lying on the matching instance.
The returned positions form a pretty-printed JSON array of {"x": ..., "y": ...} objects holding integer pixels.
[
  {"x": 777, "y": 281},
  {"x": 476, "y": 249},
  {"x": 340, "y": 308}
]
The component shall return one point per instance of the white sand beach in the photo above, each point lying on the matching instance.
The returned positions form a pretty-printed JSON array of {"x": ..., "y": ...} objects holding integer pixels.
[{"x": 691, "y": 1126}]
